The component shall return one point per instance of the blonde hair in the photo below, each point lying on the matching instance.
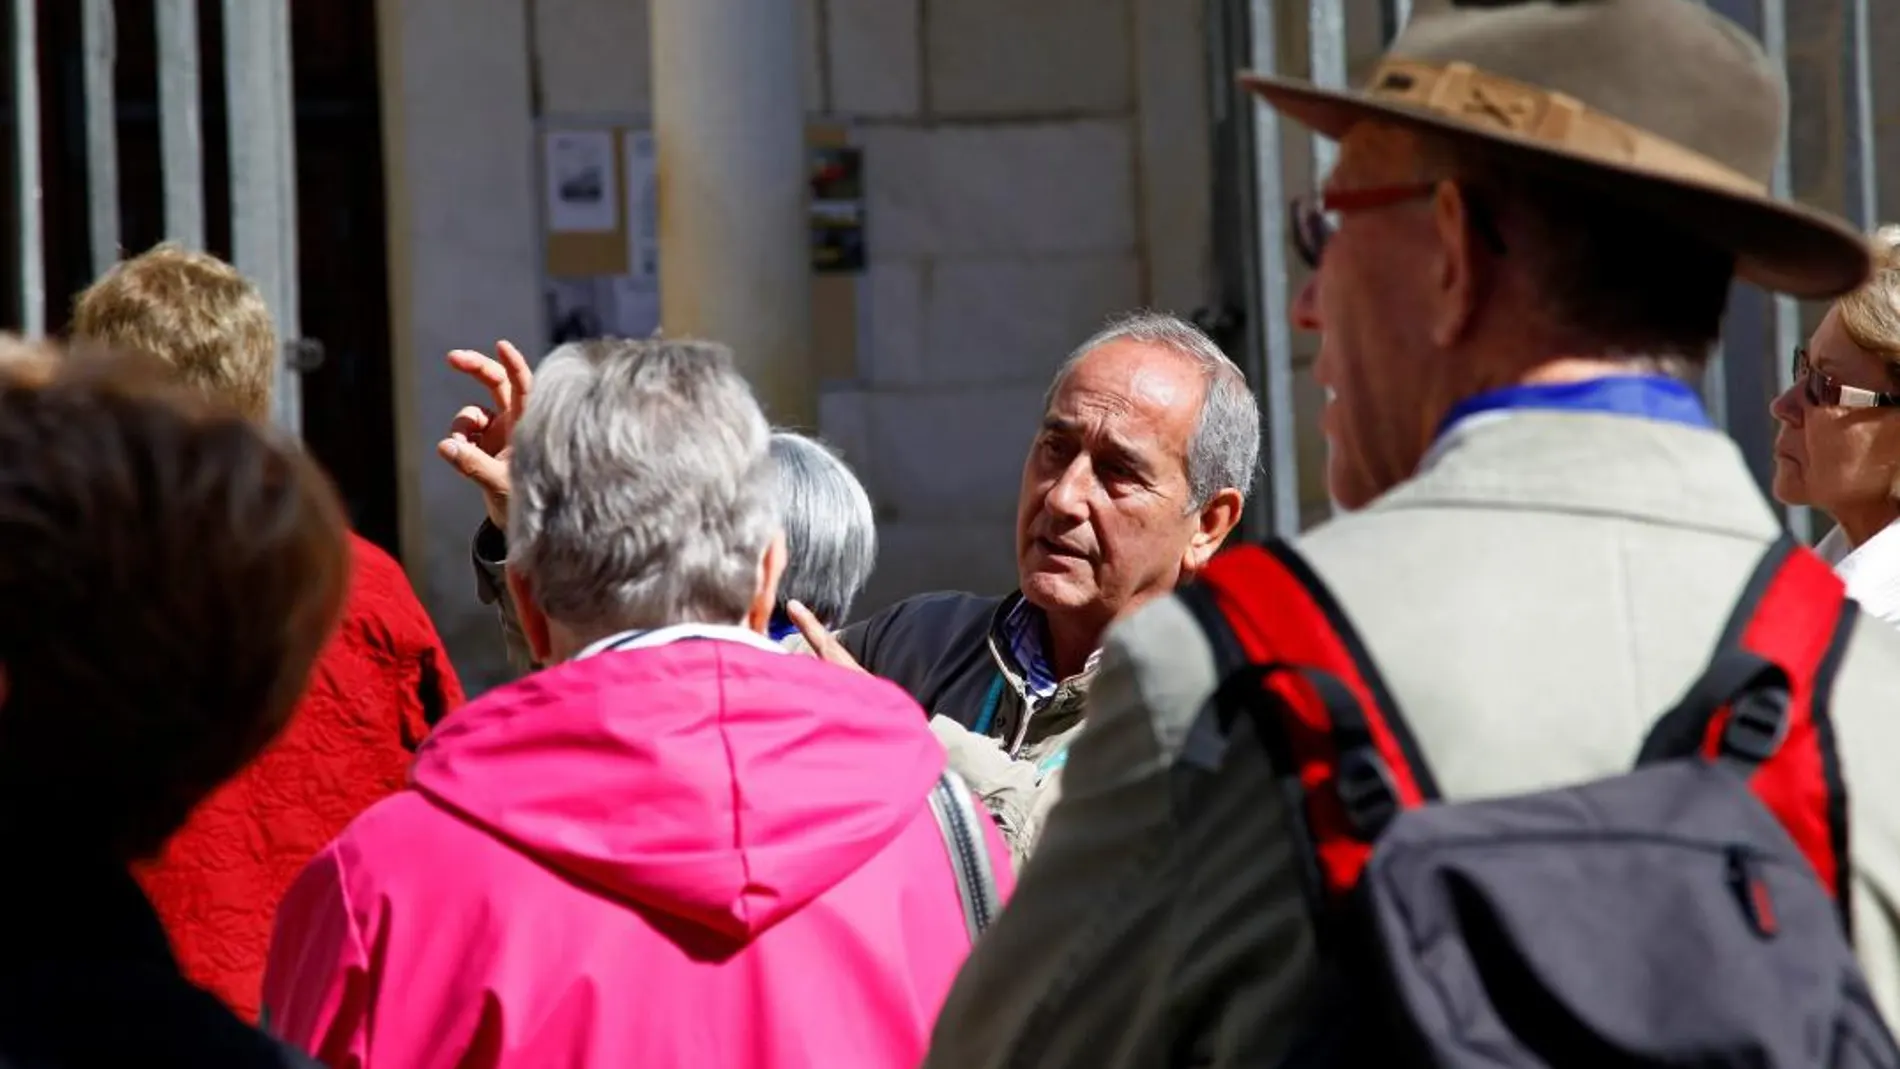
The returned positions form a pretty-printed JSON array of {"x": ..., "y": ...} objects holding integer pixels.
[
  {"x": 193, "y": 311},
  {"x": 1871, "y": 314}
]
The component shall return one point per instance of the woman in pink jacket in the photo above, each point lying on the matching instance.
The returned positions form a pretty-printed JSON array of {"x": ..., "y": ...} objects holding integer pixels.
[{"x": 680, "y": 846}]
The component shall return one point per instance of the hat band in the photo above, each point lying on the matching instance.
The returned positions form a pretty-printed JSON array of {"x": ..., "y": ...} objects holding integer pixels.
[{"x": 1541, "y": 116}]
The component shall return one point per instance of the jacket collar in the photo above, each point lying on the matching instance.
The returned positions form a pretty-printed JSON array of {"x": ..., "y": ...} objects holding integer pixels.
[
  {"x": 1017, "y": 640},
  {"x": 1592, "y": 464},
  {"x": 640, "y": 638}
]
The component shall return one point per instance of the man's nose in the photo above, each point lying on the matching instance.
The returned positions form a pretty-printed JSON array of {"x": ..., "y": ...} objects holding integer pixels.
[
  {"x": 1306, "y": 304},
  {"x": 1069, "y": 496}
]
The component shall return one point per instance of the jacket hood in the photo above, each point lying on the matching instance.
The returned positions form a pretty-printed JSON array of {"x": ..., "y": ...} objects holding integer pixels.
[{"x": 711, "y": 776}]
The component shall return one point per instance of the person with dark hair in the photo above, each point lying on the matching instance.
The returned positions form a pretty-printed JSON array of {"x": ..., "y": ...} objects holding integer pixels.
[
  {"x": 830, "y": 532},
  {"x": 125, "y": 700}
]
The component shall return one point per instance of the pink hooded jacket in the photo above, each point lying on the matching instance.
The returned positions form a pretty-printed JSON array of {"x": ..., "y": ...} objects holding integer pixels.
[{"x": 701, "y": 851}]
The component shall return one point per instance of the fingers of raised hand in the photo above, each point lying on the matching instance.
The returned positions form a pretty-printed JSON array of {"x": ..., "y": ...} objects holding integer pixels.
[
  {"x": 477, "y": 466},
  {"x": 822, "y": 641},
  {"x": 487, "y": 371},
  {"x": 520, "y": 375},
  {"x": 470, "y": 423}
]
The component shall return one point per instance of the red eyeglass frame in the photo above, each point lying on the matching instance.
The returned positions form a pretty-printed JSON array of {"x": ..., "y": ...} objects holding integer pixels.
[{"x": 1307, "y": 215}]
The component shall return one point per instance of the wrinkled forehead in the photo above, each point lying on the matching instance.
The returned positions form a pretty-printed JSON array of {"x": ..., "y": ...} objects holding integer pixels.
[
  {"x": 1374, "y": 153},
  {"x": 1130, "y": 388}
]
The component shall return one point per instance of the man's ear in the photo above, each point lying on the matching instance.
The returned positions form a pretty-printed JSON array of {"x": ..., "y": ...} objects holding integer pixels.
[
  {"x": 1461, "y": 272},
  {"x": 534, "y": 622},
  {"x": 1215, "y": 521},
  {"x": 765, "y": 594}
]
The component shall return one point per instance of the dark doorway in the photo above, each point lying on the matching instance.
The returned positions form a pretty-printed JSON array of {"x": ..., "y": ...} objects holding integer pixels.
[{"x": 348, "y": 399}]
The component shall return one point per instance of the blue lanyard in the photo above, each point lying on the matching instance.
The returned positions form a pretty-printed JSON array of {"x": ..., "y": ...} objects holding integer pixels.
[
  {"x": 990, "y": 702},
  {"x": 1643, "y": 396},
  {"x": 988, "y": 716}
]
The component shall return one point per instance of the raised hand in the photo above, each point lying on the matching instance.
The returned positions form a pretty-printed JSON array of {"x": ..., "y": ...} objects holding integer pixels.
[{"x": 479, "y": 437}]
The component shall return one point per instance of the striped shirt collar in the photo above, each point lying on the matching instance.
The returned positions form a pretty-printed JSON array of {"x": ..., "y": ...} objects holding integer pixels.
[{"x": 1024, "y": 630}]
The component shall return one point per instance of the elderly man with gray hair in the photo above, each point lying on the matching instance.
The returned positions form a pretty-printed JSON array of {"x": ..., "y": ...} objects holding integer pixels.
[
  {"x": 658, "y": 820},
  {"x": 1148, "y": 444}
]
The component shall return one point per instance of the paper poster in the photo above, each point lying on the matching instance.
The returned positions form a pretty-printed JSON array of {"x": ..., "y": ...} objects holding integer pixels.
[
  {"x": 837, "y": 209},
  {"x": 580, "y": 181}
]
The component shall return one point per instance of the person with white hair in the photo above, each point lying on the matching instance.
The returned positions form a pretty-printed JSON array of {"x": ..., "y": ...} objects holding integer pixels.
[
  {"x": 658, "y": 821},
  {"x": 830, "y": 532}
]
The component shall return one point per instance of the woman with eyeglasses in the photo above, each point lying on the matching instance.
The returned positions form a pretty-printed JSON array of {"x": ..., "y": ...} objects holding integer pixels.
[{"x": 1838, "y": 449}]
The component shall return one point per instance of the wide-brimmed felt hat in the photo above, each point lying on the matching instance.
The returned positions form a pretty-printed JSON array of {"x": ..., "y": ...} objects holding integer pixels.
[{"x": 1663, "y": 104}]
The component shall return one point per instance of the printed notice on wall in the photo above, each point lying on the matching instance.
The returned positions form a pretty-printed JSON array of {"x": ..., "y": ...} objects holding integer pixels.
[{"x": 580, "y": 182}]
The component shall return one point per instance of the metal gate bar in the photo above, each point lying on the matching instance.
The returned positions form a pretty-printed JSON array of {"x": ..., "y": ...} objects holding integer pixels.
[
  {"x": 26, "y": 163},
  {"x": 263, "y": 171},
  {"x": 1269, "y": 325},
  {"x": 102, "y": 133},
  {"x": 1326, "y": 31},
  {"x": 180, "y": 134},
  {"x": 261, "y": 134}
]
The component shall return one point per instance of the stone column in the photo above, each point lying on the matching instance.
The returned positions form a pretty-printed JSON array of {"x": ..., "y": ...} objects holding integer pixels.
[{"x": 728, "y": 116}]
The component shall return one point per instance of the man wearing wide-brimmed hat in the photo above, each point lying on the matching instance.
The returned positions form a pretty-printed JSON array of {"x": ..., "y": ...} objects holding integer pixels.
[{"x": 1525, "y": 247}]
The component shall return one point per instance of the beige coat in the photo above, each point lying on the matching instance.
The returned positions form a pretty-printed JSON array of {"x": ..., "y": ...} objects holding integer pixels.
[{"x": 1534, "y": 598}]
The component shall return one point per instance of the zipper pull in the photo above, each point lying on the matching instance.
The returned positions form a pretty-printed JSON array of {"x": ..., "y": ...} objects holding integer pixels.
[{"x": 1751, "y": 891}]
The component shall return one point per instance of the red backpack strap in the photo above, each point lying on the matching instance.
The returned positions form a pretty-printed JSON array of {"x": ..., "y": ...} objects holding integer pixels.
[
  {"x": 1278, "y": 634},
  {"x": 1762, "y": 705}
]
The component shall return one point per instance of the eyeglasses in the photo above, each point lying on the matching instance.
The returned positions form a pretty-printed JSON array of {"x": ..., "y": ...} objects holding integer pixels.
[
  {"x": 1824, "y": 390},
  {"x": 1313, "y": 218}
]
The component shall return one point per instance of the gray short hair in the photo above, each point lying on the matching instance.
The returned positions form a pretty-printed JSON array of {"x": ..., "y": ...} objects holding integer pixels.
[
  {"x": 830, "y": 531},
  {"x": 642, "y": 490},
  {"x": 1225, "y": 449}
]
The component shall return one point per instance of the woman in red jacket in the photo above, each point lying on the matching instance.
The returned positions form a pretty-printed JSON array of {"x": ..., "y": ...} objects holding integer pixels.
[{"x": 378, "y": 685}]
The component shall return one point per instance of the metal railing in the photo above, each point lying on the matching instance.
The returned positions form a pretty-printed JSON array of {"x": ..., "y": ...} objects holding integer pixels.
[
  {"x": 1260, "y": 159},
  {"x": 260, "y": 133}
]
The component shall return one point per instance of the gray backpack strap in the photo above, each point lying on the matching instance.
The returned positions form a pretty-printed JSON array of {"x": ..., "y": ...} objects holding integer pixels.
[{"x": 962, "y": 828}]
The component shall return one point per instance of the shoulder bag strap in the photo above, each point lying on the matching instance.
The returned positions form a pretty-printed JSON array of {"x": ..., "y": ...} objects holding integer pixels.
[
  {"x": 1295, "y": 668},
  {"x": 955, "y": 809},
  {"x": 1762, "y": 705}
]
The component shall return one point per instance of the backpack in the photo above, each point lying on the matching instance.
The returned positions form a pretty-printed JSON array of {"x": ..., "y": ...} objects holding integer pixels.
[{"x": 1691, "y": 912}]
